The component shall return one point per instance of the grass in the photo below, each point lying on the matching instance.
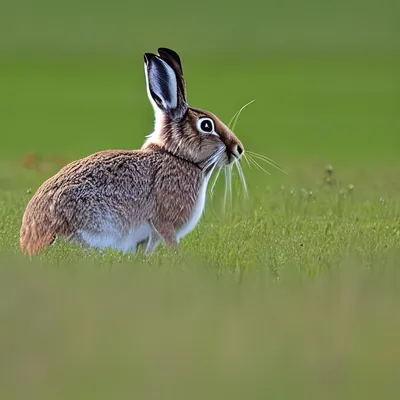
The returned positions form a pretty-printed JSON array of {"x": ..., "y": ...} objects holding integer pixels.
[
  {"x": 293, "y": 293},
  {"x": 314, "y": 229}
]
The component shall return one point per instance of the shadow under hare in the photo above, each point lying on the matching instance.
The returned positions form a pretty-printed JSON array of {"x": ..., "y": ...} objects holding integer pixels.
[{"x": 122, "y": 199}]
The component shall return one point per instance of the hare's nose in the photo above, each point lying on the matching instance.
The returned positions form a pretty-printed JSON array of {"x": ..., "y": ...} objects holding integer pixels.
[{"x": 237, "y": 151}]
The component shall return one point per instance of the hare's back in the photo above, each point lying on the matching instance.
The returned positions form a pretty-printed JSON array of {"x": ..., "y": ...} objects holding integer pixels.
[
  {"x": 110, "y": 173},
  {"x": 107, "y": 186}
]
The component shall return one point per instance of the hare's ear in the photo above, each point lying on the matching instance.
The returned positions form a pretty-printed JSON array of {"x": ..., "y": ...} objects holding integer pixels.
[
  {"x": 163, "y": 87},
  {"x": 172, "y": 58}
]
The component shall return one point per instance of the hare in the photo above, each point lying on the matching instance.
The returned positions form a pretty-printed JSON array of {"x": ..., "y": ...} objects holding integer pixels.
[{"x": 122, "y": 199}]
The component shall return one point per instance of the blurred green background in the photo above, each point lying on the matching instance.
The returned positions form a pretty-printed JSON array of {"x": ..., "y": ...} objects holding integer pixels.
[{"x": 325, "y": 76}]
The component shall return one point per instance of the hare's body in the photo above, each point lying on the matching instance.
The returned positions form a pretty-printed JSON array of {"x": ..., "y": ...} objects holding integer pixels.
[
  {"x": 116, "y": 199},
  {"x": 121, "y": 199}
]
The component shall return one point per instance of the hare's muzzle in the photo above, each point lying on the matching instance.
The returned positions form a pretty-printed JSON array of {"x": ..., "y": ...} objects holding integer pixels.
[{"x": 235, "y": 152}]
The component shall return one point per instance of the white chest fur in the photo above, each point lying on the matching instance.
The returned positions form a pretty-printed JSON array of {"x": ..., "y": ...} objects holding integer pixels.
[{"x": 197, "y": 211}]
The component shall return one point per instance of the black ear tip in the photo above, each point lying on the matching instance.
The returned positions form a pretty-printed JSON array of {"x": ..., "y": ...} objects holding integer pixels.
[
  {"x": 148, "y": 56},
  {"x": 165, "y": 50}
]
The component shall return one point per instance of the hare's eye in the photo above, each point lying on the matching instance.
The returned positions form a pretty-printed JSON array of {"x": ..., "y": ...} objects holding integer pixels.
[{"x": 205, "y": 125}]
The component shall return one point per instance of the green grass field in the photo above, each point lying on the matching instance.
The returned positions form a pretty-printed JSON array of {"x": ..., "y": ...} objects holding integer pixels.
[{"x": 293, "y": 293}]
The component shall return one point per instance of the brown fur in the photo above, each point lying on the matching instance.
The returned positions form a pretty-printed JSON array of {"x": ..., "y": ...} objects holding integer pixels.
[
  {"x": 136, "y": 185},
  {"x": 158, "y": 184}
]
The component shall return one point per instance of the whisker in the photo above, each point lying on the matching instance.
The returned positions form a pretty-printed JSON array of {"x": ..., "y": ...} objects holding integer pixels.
[
  {"x": 233, "y": 122},
  {"x": 215, "y": 181},
  {"x": 261, "y": 155},
  {"x": 230, "y": 184},
  {"x": 267, "y": 160},
  {"x": 258, "y": 165},
  {"x": 242, "y": 178},
  {"x": 214, "y": 158},
  {"x": 247, "y": 161},
  {"x": 233, "y": 118},
  {"x": 270, "y": 163},
  {"x": 212, "y": 169},
  {"x": 226, "y": 188},
  {"x": 210, "y": 162}
]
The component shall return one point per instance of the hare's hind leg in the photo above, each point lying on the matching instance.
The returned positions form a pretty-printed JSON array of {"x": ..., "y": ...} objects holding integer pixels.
[
  {"x": 139, "y": 235},
  {"x": 164, "y": 231},
  {"x": 152, "y": 243},
  {"x": 149, "y": 237}
]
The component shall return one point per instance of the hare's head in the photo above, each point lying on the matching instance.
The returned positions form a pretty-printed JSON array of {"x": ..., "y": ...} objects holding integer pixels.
[{"x": 194, "y": 134}]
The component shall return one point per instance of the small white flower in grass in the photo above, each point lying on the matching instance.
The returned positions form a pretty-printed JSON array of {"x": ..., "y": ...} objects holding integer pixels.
[{"x": 329, "y": 169}]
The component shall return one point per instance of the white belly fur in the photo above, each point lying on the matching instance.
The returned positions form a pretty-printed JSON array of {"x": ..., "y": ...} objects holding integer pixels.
[
  {"x": 197, "y": 211},
  {"x": 112, "y": 238}
]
